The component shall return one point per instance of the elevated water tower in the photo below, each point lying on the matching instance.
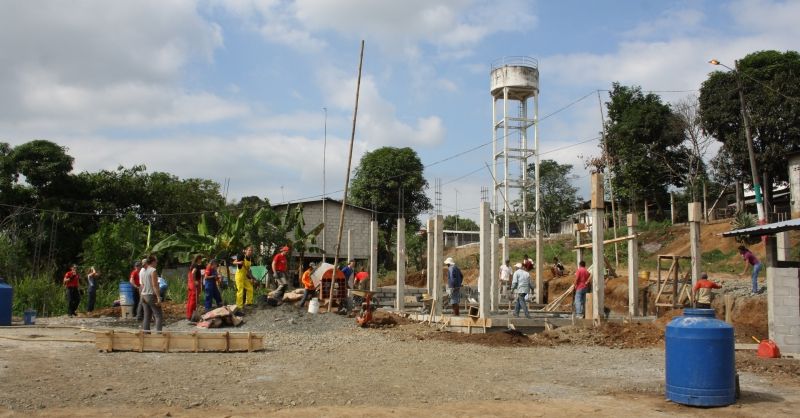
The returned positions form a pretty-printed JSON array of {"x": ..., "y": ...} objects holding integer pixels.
[{"x": 515, "y": 92}]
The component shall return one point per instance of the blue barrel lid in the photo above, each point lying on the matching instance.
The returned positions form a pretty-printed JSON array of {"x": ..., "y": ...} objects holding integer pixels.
[{"x": 708, "y": 313}]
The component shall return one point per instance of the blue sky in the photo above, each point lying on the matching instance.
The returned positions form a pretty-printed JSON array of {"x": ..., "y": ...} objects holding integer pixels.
[{"x": 236, "y": 89}]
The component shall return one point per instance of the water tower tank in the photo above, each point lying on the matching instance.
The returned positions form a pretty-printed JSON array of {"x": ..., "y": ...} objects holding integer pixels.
[{"x": 519, "y": 74}]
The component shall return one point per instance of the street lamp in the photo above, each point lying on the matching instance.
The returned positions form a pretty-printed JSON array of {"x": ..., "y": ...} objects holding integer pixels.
[{"x": 749, "y": 138}]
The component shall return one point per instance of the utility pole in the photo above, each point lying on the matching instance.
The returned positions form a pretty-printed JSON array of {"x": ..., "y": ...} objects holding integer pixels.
[{"x": 754, "y": 170}]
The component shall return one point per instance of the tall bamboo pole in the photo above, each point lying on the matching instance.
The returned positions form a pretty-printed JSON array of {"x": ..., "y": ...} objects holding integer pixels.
[
  {"x": 347, "y": 179},
  {"x": 610, "y": 186}
]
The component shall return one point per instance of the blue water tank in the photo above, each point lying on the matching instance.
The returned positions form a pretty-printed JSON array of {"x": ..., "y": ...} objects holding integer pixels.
[
  {"x": 700, "y": 362},
  {"x": 125, "y": 293},
  {"x": 6, "y": 298}
]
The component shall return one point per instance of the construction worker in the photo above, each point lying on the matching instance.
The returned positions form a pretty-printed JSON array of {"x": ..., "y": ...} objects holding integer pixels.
[
  {"x": 194, "y": 278},
  {"x": 505, "y": 277},
  {"x": 702, "y": 292},
  {"x": 279, "y": 265},
  {"x": 308, "y": 284},
  {"x": 582, "y": 278},
  {"x": 71, "y": 282},
  {"x": 244, "y": 278},
  {"x": 454, "y": 281},
  {"x": 521, "y": 285},
  {"x": 211, "y": 286}
]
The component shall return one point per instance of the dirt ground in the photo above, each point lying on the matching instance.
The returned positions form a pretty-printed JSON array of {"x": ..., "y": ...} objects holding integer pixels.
[{"x": 324, "y": 365}]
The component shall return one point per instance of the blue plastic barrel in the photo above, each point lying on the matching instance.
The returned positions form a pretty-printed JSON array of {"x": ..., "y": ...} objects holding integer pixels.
[
  {"x": 29, "y": 317},
  {"x": 125, "y": 293},
  {"x": 700, "y": 362},
  {"x": 6, "y": 298}
]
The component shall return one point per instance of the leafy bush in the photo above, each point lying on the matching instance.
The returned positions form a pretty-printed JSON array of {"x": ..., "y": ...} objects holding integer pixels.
[
  {"x": 114, "y": 247},
  {"x": 745, "y": 220}
]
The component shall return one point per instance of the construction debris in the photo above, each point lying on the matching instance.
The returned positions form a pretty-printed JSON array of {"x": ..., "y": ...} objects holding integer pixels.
[{"x": 221, "y": 317}]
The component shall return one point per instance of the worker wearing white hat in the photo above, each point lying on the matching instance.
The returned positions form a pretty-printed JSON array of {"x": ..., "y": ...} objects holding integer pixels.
[{"x": 454, "y": 280}]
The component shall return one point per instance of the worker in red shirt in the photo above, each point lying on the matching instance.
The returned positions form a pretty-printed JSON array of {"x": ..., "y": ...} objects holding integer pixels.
[
  {"x": 582, "y": 278},
  {"x": 71, "y": 280},
  {"x": 279, "y": 264},
  {"x": 702, "y": 292},
  {"x": 362, "y": 280},
  {"x": 134, "y": 281}
]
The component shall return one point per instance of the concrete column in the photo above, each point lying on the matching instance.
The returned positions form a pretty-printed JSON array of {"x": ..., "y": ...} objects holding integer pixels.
[
  {"x": 633, "y": 267},
  {"x": 695, "y": 217},
  {"x": 429, "y": 257},
  {"x": 438, "y": 262},
  {"x": 401, "y": 265},
  {"x": 672, "y": 207},
  {"x": 494, "y": 268},
  {"x": 784, "y": 246},
  {"x": 373, "y": 256},
  {"x": 539, "y": 264},
  {"x": 485, "y": 276},
  {"x": 598, "y": 261},
  {"x": 578, "y": 251},
  {"x": 349, "y": 245}
]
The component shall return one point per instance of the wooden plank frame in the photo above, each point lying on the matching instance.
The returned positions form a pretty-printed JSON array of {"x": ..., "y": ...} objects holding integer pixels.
[{"x": 178, "y": 342}]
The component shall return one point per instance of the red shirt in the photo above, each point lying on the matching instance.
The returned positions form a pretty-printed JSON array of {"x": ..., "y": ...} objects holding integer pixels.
[
  {"x": 72, "y": 279},
  {"x": 528, "y": 264},
  {"x": 707, "y": 284},
  {"x": 361, "y": 276},
  {"x": 135, "y": 277},
  {"x": 581, "y": 278},
  {"x": 750, "y": 257},
  {"x": 280, "y": 262}
]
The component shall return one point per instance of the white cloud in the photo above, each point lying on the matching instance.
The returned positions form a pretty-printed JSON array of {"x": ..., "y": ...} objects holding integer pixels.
[
  {"x": 378, "y": 123},
  {"x": 99, "y": 64}
]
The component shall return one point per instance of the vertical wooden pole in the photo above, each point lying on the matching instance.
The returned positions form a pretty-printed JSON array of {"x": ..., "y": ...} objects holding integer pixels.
[{"x": 347, "y": 180}]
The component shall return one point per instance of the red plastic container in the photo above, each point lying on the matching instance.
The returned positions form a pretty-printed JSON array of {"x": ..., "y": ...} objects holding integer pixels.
[{"x": 768, "y": 349}]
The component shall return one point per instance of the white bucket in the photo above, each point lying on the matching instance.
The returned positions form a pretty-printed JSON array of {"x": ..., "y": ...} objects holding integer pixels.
[{"x": 313, "y": 306}]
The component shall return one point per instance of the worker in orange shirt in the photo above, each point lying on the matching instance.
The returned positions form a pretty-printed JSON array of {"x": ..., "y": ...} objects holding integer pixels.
[
  {"x": 702, "y": 292},
  {"x": 308, "y": 284}
]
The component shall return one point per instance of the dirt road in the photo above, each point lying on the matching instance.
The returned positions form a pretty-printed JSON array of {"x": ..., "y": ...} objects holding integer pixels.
[{"x": 322, "y": 365}]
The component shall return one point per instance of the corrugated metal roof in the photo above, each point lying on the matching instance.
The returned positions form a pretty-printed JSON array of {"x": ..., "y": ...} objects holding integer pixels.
[{"x": 767, "y": 229}]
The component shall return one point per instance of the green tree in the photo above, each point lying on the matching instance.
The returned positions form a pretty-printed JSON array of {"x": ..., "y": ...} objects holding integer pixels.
[
  {"x": 559, "y": 198},
  {"x": 642, "y": 133},
  {"x": 390, "y": 181},
  {"x": 115, "y": 246},
  {"x": 771, "y": 88},
  {"x": 457, "y": 223}
]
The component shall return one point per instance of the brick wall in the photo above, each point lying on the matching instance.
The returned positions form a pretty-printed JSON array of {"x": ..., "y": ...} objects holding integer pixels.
[
  {"x": 783, "y": 288},
  {"x": 355, "y": 219}
]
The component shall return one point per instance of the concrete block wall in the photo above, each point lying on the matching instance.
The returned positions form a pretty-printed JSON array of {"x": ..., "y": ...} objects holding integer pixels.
[
  {"x": 783, "y": 308},
  {"x": 356, "y": 220}
]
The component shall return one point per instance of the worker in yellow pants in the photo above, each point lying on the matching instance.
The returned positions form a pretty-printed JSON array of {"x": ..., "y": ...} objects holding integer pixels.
[{"x": 244, "y": 284}]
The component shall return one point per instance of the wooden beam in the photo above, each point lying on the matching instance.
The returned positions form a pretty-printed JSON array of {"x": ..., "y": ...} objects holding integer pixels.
[
  {"x": 608, "y": 241},
  {"x": 178, "y": 341}
]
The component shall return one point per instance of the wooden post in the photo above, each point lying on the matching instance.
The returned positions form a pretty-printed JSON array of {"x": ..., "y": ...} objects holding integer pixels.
[
  {"x": 400, "y": 302},
  {"x": 695, "y": 217},
  {"x": 373, "y": 256},
  {"x": 598, "y": 268},
  {"x": 349, "y": 245},
  {"x": 429, "y": 262},
  {"x": 347, "y": 179},
  {"x": 485, "y": 277},
  {"x": 578, "y": 249},
  {"x": 633, "y": 267},
  {"x": 646, "y": 212},
  {"x": 438, "y": 261}
]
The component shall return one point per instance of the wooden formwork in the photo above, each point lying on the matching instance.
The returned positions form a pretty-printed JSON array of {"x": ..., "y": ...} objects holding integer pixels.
[
  {"x": 171, "y": 342},
  {"x": 673, "y": 290}
]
